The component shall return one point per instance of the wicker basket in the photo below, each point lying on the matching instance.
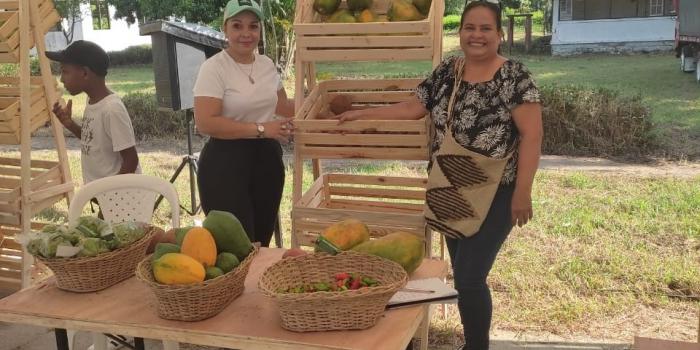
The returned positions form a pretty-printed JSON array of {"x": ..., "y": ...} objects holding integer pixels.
[
  {"x": 195, "y": 302},
  {"x": 90, "y": 274},
  {"x": 325, "y": 311}
]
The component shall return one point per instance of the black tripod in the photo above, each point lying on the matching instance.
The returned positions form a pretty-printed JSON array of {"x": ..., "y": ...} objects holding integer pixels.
[{"x": 191, "y": 160}]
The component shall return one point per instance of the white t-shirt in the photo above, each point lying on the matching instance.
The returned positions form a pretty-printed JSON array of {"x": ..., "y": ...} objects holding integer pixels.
[
  {"x": 106, "y": 130},
  {"x": 221, "y": 77}
]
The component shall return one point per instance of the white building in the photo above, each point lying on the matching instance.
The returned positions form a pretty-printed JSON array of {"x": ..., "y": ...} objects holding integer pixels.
[
  {"x": 99, "y": 26},
  {"x": 581, "y": 26}
]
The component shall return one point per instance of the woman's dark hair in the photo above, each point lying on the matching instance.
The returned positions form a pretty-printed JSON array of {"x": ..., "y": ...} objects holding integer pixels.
[{"x": 489, "y": 5}]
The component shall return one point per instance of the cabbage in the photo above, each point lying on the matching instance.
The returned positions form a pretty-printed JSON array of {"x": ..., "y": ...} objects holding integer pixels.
[
  {"x": 129, "y": 232},
  {"x": 92, "y": 246},
  {"x": 90, "y": 226}
]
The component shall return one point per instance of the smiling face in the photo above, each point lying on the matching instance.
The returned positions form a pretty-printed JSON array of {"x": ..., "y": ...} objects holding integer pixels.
[
  {"x": 243, "y": 34},
  {"x": 480, "y": 34}
]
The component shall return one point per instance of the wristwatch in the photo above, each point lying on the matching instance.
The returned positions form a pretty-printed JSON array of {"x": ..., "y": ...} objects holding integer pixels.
[{"x": 261, "y": 130}]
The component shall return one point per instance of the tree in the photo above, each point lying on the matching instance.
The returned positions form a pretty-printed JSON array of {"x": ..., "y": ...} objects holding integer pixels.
[{"x": 70, "y": 11}]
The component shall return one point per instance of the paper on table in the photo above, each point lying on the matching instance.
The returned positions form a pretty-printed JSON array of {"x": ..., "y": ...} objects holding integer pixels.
[{"x": 442, "y": 292}]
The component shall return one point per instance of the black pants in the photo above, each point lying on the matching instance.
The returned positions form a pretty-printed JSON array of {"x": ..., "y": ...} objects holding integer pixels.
[
  {"x": 472, "y": 259},
  {"x": 244, "y": 177}
]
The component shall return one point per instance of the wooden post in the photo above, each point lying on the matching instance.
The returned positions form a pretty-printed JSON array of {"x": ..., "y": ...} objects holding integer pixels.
[
  {"x": 25, "y": 141},
  {"x": 528, "y": 32},
  {"x": 51, "y": 97},
  {"x": 511, "y": 24}
]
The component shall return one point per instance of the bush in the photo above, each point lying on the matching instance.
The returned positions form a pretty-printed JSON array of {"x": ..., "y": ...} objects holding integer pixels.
[
  {"x": 451, "y": 22},
  {"x": 600, "y": 122},
  {"x": 140, "y": 54},
  {"x": 148, "y": 121},
  {"x": 454, "y": 7},
  {"x": 537, "y": 18}
]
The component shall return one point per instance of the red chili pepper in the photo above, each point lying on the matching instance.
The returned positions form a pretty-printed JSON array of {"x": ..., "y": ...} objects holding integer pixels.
[
  {"x": 355, "y": 284},
  {"x": 341, "y": 276}
]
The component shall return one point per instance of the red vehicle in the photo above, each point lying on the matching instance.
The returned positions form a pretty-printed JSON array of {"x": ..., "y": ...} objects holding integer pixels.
[{"x": 688, "y": 35}]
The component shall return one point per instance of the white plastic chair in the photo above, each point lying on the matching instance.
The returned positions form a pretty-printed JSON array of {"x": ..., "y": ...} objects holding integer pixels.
[{"x": 124, "y": 198}]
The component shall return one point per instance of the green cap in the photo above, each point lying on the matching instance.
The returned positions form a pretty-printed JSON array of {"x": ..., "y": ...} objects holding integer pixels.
[{"x": 235, "y": 7}]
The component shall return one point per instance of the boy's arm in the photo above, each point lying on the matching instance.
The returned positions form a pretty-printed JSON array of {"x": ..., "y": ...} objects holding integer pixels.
[
  {"x": 63, "y": 114},
  {"x": 130, "y": 160}
]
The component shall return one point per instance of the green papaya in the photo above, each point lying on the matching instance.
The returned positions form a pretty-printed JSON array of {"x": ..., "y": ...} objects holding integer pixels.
[
  {"x": 180, "y": 234},
  {"x": 228, "y": 233},
  {"x": 164, "y": 248},
  {"x": 212, "y": 272},
  {"x": 403, "y": 248},
  {"x": 226, "y": 261}
]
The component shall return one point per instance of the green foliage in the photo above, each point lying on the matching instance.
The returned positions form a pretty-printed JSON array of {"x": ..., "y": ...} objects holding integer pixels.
[
  {"x": 594, "y": 122},
  {"x": 537, "y": 17},
  {"x": 451, "y": 22},
  {"x": 140, "y": 54},
  {"x": 148, "y": 121}
]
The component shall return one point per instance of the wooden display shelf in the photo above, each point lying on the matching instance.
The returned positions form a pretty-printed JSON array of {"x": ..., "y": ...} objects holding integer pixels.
[
  {"x": 369, "y": 139},
  {"x": 386, "y": 204},
  {"x": 375, "y": 41},
  {"x": 10, "y": 263},
  {"x": 10, "y": 112},
  {"x": 46, "y": 188},
  {"x": 9, "y": 27}
]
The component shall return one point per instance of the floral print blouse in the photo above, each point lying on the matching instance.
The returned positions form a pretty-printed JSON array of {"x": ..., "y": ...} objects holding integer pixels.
[{"x": 483, "y": 121}]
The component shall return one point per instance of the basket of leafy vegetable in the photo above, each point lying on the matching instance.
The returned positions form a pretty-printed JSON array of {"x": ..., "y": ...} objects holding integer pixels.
[{"x": 93, "y": 255}]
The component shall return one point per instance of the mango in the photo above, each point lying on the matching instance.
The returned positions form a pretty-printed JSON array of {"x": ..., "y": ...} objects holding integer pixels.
[
  {"x": 164, "y": 248},
  {"x": 358, "y": 5},
  {"x": 228, "y": 233},
  {"x": 404, "y": 248},
  {"x": 212, "y": 272},
  {"x": 347, "y": 233},
  {"x": 226, "y": 262},
  {"x": 180, "y": 233},
  {"x": 341, "y": 16},
  {"x": 326, "y": 7},
  {"x": 366, "y": 16},
  {"x": 176, "y": 268}
]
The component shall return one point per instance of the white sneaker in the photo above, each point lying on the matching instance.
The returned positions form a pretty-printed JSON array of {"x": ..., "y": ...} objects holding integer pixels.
[{"x": 111, "y": 343}]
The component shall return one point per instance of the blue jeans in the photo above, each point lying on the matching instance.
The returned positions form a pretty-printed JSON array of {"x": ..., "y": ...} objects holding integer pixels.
[{"x": 472, "y": 259}]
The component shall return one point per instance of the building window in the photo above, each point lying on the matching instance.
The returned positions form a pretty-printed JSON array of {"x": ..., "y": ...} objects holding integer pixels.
[
  {"x": 99, "y": 9},
  {"x": 656, "y": 7},
  {"x": 565, "y": 10}
]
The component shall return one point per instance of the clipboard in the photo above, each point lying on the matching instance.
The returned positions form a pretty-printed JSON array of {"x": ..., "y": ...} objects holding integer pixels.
[{"x": 422, "y": 291}]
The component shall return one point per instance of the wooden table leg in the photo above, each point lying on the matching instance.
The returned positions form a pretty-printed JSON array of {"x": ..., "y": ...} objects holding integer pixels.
[
  {"x": 61, "y": 339},
  {"x": 138, "y": 344}
]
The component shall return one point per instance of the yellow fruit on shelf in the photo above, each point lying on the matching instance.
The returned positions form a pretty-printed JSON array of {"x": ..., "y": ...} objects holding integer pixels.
[
  {"x": 177, "y": 268},
  {"x": 200, "y": 245},
  {"x": 404, "y": 248},
  {"x": 347, "y": 233}
]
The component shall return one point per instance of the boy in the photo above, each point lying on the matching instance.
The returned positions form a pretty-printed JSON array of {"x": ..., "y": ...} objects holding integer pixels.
[{"x": 106, "y": 134}]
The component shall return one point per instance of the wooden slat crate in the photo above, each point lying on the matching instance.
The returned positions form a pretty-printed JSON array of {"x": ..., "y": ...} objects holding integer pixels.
[
  {"x": 46, "y": 188},
  {"x": 10, "y": 263},
  {"x": 9, "y": 27},
  {"x": 375, "y": 41},
  {"x": 369, "y": 139},
  {"x": 386, "y": 204},
  {"x": 10, "y": 112}
]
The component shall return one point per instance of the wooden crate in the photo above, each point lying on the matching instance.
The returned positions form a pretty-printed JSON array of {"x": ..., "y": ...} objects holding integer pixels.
[
  {"x": 9, "y": 26},
  {"x": 46, "y": 188},
  {"x": 376, "y": 41},
  {"x": 10, "y": 263},
  {"x": 10, "y": 112},
  {"x": 369, "y": 139},
  {"x": 386, "y": 204}
]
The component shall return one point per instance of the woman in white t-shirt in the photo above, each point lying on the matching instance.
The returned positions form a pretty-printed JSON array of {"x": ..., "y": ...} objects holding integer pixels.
[{"x": 238, "y": 96}]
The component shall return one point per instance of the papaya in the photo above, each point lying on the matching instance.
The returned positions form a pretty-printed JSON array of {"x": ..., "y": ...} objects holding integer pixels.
[
  {"x": 226, "y": 261},
  {"x": 341, "y": 16},
  {"x": 403, "y": 248},
  {"x": 366, "y": 16},
  {"x": 180, "y": 233},
  {"x": 423, "y": 6},
  {"x": 177, "y": 268},
  {"x": 347, "y": 233},
  {"x": 403, "y": 10},
  {"x": 228, "y": 233},
  {"x": 200, "y": 245},
  {"x": 164, "y": 248},
  {"x": 212, "y": 272},
  {"x": 326, "y": 7}
]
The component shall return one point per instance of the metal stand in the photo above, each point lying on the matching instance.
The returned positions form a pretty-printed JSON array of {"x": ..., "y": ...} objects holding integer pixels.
[{"x": 188, "y": 160}]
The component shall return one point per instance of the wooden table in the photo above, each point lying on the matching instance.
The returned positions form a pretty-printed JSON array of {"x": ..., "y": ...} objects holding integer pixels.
[{"x": 251, "y": 322}]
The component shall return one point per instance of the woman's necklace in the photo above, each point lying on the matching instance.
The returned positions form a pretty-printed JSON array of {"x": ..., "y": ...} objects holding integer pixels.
[{"x": 249, "y": 74}]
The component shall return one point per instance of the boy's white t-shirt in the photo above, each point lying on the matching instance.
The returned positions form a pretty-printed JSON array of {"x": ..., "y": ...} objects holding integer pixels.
[
  {"x": 221, "y": 77},
  {"x": 106, "y": 130}
]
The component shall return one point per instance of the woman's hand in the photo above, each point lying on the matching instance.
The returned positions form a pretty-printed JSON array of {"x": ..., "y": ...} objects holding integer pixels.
[
  {"x": 349, "y": 116},
  {"x": 521, "y": 207},
  {"x": 280, "y": 129}
]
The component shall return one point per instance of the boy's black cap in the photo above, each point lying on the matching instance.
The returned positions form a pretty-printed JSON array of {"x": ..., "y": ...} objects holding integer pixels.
[{"x": 83, "y": 53}]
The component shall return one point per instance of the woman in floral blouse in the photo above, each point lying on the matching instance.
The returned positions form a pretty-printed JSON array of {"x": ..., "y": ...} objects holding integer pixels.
[{"x": 496, "y": 113}]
